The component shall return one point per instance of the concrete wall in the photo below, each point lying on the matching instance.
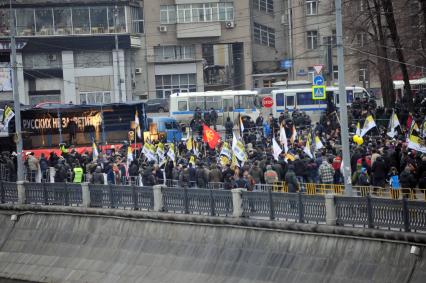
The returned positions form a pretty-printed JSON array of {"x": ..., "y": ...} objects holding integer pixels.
[{"x": 76, "y": 248}]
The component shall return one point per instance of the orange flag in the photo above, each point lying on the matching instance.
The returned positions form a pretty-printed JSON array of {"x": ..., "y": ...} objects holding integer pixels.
[{"x": 210, "y": 136}]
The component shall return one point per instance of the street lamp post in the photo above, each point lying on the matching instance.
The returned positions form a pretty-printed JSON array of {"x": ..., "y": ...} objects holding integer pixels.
[{"x": 16, "y": 102}]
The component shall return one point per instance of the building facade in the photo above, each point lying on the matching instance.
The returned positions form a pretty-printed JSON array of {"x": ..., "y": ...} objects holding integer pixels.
[
  {"x": 80, "y": 51},
  {"x": 197, "y": 45}
]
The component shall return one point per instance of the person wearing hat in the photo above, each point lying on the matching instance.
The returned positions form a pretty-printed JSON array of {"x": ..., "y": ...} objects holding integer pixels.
[{"x": 291, "y": 180}]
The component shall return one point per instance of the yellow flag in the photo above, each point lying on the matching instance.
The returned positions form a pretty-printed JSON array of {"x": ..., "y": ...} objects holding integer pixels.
[{"x": 189, "y": 144}]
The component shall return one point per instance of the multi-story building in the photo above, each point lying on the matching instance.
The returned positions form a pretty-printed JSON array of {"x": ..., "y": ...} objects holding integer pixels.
[
  {"x": 270, "y": 24},
  {"x": 78, "y": 51},
  {"x": 196, "y": 45}
]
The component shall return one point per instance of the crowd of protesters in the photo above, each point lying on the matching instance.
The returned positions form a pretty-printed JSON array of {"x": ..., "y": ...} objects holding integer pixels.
[{"x": 380, "y": 161}]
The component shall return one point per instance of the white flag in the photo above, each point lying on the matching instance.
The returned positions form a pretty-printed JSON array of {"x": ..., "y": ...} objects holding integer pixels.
[
  {"x": 368, "y": 125},
  {"x": 238, "y": 149},
  {"x": 277, "y": 149},
  {"x": 358, "y": 129},
  {"x": 307, "y": 148},
  {"x": 137, "y": 125},
  {"x": 283, "y": 139},
  {"x": 393, "y": 124},
  {"x": 318, "y": 143}
]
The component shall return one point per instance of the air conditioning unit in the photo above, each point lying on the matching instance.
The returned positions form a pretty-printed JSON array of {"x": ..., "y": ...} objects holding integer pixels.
[
  {"x": 162, "y": 28},
  {"x": 229, "y": 25},
  {"x": 138, "y": 71},
  {"x": 52, "y": 57}
]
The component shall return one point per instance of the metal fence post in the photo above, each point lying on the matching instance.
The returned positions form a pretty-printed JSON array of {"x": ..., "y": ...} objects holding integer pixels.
[
  {"x": 21, "y": 192},
  {"x": 370, "y": 212},
  {"x": 406, "y": 214},
  {"x": 66, "y": 195},
  {"x": 2, "y": 194},
  {"x": 158, "y": 197},
  {"x": 85, "y": 194},
  {"x": 185, "y": 200},
  {"x": 330, "y": 210},
  {"x": 271, "y": 206},
  {"x": 212, "y": 204},
  {"x": 301, "y": 208},
  {"x": 45, "y": 196},
  {"x": 135, "y": 198},
  {"x": 111, "y": 196},
  {"x": 237, "y": 203}
]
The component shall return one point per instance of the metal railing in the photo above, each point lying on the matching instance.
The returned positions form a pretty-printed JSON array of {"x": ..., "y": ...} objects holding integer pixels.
[
  {"x": 120, "y": 196},
  {"x": 378, "y": 212},
  {"x": 198, "y": 201},
  {"x": 8, "y": 192},
  {"x": 53, "y": 193},
  {"x": 290, "y": 206}
]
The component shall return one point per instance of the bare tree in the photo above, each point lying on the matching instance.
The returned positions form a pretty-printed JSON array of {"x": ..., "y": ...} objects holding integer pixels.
[{"x": 393, "y": 30}]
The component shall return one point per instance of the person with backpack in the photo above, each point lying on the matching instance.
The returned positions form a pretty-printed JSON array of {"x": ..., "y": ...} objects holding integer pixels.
[{"x": 363, "y": 178}]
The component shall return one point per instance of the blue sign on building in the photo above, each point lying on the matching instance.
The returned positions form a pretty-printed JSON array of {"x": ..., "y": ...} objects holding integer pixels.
[{"x": 286, "y": 64}]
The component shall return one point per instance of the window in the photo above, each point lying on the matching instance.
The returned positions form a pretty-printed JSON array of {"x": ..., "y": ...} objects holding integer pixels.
[
  {"x": 182, "y": 106},
  {"x": 98, "y": 19},
  {"x": 197, "y": 102},
  {"x": 97, "y": 97},
  {"x": 289, "y": 101},
  {"x": 264, "y": 5},
  {"x": 336, "y": 73},
  {"x": 312, "y": 39},
  {"x": 213, "y": 102},
  {"x": 25, "y": 25},
  {"x": 264, "y": 35},
  {"x": 80, "y": 20},
  {"x": 167, "y": 84},
  {"x": 280, "y": 99},
  {"x": 44, "y": 21},
  {"x": 167, "y": 14},
  {"x": 173, "y": 53},
  {"x": 119, "y": 14},
  {"x": 137, "y": 19},
  {"x": 245, "y": 101},
  {"x": 305, "y": 98},
  {"x": 195, "y": 13},
  {"x": 63, "y": 23},
  {"x": 311, "y": 7},
  {"x": 311, "y": 74}
]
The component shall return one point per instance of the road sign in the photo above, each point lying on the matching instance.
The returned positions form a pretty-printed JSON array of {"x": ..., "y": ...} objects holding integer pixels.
[
  {"x": 318, "y": 68},
  {"x": 267, "y": 102},
  {"x": 319, "y": 80},
  {"x": 318, "y": 92}
]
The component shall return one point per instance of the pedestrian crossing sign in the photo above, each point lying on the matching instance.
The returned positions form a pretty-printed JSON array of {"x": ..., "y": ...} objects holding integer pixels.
[{"x": 318, "y": 92}]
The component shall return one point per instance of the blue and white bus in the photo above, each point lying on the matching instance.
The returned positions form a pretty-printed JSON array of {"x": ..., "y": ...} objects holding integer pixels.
[
  {"x": 228, "y": 103},
  {"x": 301, "y": 99}
]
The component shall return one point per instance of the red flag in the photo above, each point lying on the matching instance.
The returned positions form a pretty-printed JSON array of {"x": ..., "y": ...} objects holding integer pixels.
[
  {"x": 409, "y": 122},
  {"x": 210, "y": 136}
]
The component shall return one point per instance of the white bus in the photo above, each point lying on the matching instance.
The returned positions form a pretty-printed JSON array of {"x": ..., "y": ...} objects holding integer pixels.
[
  {"x": 301, "y": 99},
  {"x": 416, "y": 86},
  {"x": 228, "y": 103}
]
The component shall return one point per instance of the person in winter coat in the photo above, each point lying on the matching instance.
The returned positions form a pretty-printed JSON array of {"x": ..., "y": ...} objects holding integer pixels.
[
  {"x": 192, "y": 175},
  {"x": 98, "y": 176},
  {"x": 270, "y": 175},
  {"x": 256, "y": 173},
  {"x": 326, "y": 173},
  {"x": 44, "y": 166},
  {"x": 379, "y": 171},
  {"x": 215, "y": 176},
  {"x": 202, "y": 176},
  {"x": 291, "y": 180},
  {"x": 184, "y": 177},
  {"x": 408, "y": 182}
]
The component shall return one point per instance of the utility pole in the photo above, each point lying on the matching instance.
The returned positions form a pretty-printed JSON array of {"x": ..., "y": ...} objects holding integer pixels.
[
  {"x": 16, "y": 102},
  {"x": 290, "y": 37},
  {"x": 120, "y": 95},
  {"x": 344, "y": 133}
]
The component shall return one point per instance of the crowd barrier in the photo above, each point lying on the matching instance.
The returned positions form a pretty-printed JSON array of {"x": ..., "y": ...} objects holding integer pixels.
[{"x": 332, "y": 209}]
